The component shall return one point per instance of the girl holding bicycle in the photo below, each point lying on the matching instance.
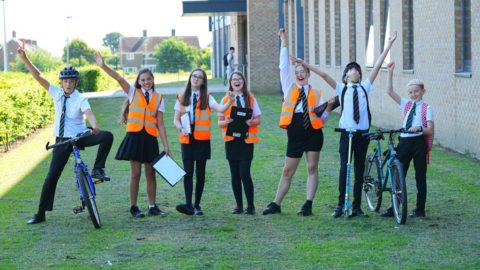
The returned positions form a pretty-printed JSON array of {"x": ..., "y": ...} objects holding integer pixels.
[
  {"x": 417, "y": 143},
  {"x": 70, "y": 107},
  {"x": 143, "y": 116}
]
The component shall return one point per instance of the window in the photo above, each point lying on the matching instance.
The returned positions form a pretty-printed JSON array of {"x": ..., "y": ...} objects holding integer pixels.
[
  {"x": 352, "y": 42},
  {"x": 407, "y": 34},
  {"x": 130, "y": 56},
  {"x": 328, "y": 49},
  {"x": 463, "y": 40},
  {"x": 306, "y": 35},
  {"x": 385, "y": 27},
  {"x": 369, "y": 30},
  {"x": 338, "y": 35}
]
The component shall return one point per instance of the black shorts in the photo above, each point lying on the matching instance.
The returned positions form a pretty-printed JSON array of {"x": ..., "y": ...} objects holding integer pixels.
[{"x": 301, "y": 140}]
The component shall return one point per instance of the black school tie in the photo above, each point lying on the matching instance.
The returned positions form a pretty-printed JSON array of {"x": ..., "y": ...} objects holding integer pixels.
[
  {"x": 239, "y": 104},
  {"x": 194, "y": 107},
  {"x": 356, "y": 111},
  {"x": 62, "y": 118},
  {"x": 306, "y": 118},
  {"x": 410, "y": 117},
  {"x": 147, "y": 97}
]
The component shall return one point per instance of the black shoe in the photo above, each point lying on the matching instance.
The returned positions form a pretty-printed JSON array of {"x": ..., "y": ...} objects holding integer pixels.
[
  {"x": 99, "y": 176},
  {"x": 197, "y": 211},
  {"x": 305, "y": 211},
  {"x": 417, "y": 213},
  {"x": 338, "y": 211},
  {"x": 272, "y": 208},
  {"x": 237, "y": 210},
  {"x": 250, "y": 211},
  {"x": 36, "y": 219},
  {"x": 136, "y": 212},
  {"x": 358, "y": 213},
  {"x": 185, "y": 209},
  {"x": 387, "y": 213},
  {"x": 155, "y": 211}
]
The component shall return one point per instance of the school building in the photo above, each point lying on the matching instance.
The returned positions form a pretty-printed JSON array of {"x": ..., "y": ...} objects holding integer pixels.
[{"x": 436, "y": 43}]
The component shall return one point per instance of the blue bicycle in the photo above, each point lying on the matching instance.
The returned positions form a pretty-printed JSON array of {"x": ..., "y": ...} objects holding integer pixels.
[
  {"x": 382, "y": 168},
  {"x": 85, "y": 185}
]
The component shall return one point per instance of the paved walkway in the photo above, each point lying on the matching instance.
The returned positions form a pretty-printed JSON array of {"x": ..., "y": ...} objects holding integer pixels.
[{"x": 216, "y": 88}]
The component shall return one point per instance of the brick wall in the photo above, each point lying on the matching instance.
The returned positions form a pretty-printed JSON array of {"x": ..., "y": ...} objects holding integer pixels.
[{"x": 454, "y": 97}]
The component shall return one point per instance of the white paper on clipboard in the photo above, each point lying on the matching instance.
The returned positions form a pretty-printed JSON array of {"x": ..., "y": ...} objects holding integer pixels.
[
  {"x": 185, "y": 121},
  {"x": 168, "y": 169}
]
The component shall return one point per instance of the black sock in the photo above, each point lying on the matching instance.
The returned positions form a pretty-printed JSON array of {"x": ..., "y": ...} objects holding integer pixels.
[{"x": 308, "y": 203}]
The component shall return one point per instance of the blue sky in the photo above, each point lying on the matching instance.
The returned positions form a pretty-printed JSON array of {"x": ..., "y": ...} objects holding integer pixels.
[{"x": 46, "y": 20}]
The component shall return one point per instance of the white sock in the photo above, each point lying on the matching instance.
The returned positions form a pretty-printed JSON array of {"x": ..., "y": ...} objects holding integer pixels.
[{"x": 151, "y": 206}]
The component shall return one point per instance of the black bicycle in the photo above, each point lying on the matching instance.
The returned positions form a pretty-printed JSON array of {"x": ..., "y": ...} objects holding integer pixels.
[
  {"x": 85, "y": 184},
  {"x": 382, "y": 168}
]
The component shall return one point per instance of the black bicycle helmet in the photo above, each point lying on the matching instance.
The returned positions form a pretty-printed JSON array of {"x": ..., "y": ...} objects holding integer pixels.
[{"x": 68, "y": 73}]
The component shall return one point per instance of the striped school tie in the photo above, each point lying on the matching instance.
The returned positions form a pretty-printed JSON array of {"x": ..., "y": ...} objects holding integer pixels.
[
  {"x": 356, "y": 111},
  {"x": 408, "y": 125},
  {"x": 62, "y": 118},
  {"x": 306, "y": 118}
]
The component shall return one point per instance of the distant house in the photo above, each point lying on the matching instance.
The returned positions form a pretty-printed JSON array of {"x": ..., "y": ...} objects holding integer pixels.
[
  {"x": 12, "y": 47},
  {"x": 137, "y": 52}
]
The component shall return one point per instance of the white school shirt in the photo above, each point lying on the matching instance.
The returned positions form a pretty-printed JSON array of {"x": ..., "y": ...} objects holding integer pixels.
[
  {"x": 255, "y": 108},
  {"x": 346, "y": 119},
  {"x": 287, "y": 82},
  {"x": 131, "y": 93},
  {"x": 76, "y": 105},
  {"x": 417, "y": 116},
  {"x": 190, "y": 110}
]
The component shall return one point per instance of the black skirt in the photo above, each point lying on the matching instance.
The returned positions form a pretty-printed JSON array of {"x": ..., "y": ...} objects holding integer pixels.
[
  {"x": 238, "y": 149},
  {"x": 196, "y": 150},
  {"x": 138, "y": 146},
  {"x": 301, "y": 140}
]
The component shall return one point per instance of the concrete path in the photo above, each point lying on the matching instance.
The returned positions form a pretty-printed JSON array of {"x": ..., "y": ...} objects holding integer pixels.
[{"x": 216, "y": 88}]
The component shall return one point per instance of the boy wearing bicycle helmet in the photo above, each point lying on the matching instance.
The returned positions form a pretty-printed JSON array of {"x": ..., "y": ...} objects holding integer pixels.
[
  {"x": 417, "y": 143},
  {"x": 70, "y": 107}
]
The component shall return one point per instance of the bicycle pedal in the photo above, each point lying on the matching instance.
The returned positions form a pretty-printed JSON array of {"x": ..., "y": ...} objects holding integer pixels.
[
  {"x": 77, "y": 210},
  {"x": 97, "y": 181}
]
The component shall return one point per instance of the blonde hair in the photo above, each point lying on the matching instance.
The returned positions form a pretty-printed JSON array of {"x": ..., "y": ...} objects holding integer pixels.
[{"x": 416, "y": 82}]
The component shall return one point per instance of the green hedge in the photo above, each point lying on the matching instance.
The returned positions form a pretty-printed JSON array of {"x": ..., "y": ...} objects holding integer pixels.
[
  {"x": 92, "y": 79},
  {"x": 24, "y": 107}
]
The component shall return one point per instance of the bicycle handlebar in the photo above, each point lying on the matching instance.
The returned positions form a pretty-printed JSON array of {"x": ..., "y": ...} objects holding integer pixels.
[
  {"x": 354, "y": 131},
  {"x": 80, "y": 135},
  {"x": 378, "y": 134}
]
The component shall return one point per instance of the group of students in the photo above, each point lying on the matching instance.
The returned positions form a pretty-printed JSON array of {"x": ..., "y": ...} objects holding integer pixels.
[{"x": 143, "y": 117}]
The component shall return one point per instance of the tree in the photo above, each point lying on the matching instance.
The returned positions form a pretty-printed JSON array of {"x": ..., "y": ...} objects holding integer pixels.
[
  {"x": 41, "y": 58},
  {"x": 174, "y": 54},
  {"x": 112, "y": 41},
  {"x": 204, "y": 60},
  {"x": 80, "y": 50}
]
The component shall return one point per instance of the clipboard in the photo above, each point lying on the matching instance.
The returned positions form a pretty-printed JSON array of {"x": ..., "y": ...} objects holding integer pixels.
[
  {"x": 185, "y": 121},
  {"x": 239, "y": 128},
  {"x": 168, "y": 169},
  {"x": 321, "y": 109}
]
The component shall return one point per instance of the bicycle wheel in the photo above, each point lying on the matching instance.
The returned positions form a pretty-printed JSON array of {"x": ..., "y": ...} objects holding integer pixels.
[
  {"x": 88, "y": 199},
  {"x": 399, "y": 197},
  {"x": 372, "y": 185}
]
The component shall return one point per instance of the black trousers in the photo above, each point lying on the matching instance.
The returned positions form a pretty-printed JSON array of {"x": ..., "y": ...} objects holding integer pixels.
[
  {"x": 240, "y": 173},
  {"x": 359, "y": 152},
  {"x": 60, "y": 158},
  {"x": 188, "y": 166},
  {"x": 415, "y": 148}
]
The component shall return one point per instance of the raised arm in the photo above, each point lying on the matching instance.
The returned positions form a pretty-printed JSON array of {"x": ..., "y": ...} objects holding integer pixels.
[
  {"x": 390, "y": 92},
  {"x": 328, "y": 79},
  {"x": 381, "y": 58},
  {"x": 112, "y": 73},
  {"x": 32, "y": 68},
  {"x": 223, "y": 107}
]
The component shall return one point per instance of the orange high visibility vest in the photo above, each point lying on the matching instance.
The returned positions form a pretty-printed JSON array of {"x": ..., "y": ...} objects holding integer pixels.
[
  {"x": 202, "y": 123},
  {"x": 252, "y": 130},
  {"x": 288, "y": 107},
  {"x": 141, "y": 115}
]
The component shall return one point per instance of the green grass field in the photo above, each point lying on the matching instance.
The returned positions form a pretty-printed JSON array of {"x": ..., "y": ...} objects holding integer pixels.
[{"x": 448, "y": 238}]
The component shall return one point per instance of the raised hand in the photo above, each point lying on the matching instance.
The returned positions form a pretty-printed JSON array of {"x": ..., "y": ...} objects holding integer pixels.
[
  {"x": 21, "y": 50},
  {"x": 391, "y": 66},
  {"x": 99, "y": 59},
  {"x": 281, "y": 33},
  {"x": 392, "y": 38}
]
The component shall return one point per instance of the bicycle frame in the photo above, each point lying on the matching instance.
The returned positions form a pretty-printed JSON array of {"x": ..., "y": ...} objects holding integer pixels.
[
  {"x": 80, "y": 165},
  {"x": 387, "y": 161}
]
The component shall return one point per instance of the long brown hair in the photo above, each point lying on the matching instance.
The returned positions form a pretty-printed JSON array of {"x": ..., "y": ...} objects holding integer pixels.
[
  {"x": 126, "y": 103},
  {"x": 203, "y": 90},
  {"x": 245, "y": 92}
]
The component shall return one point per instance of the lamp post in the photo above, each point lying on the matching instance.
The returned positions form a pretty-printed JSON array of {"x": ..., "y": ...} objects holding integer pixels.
[
  {"x": 5, "y": 55},
  {"x": 68, "y": 44}
]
